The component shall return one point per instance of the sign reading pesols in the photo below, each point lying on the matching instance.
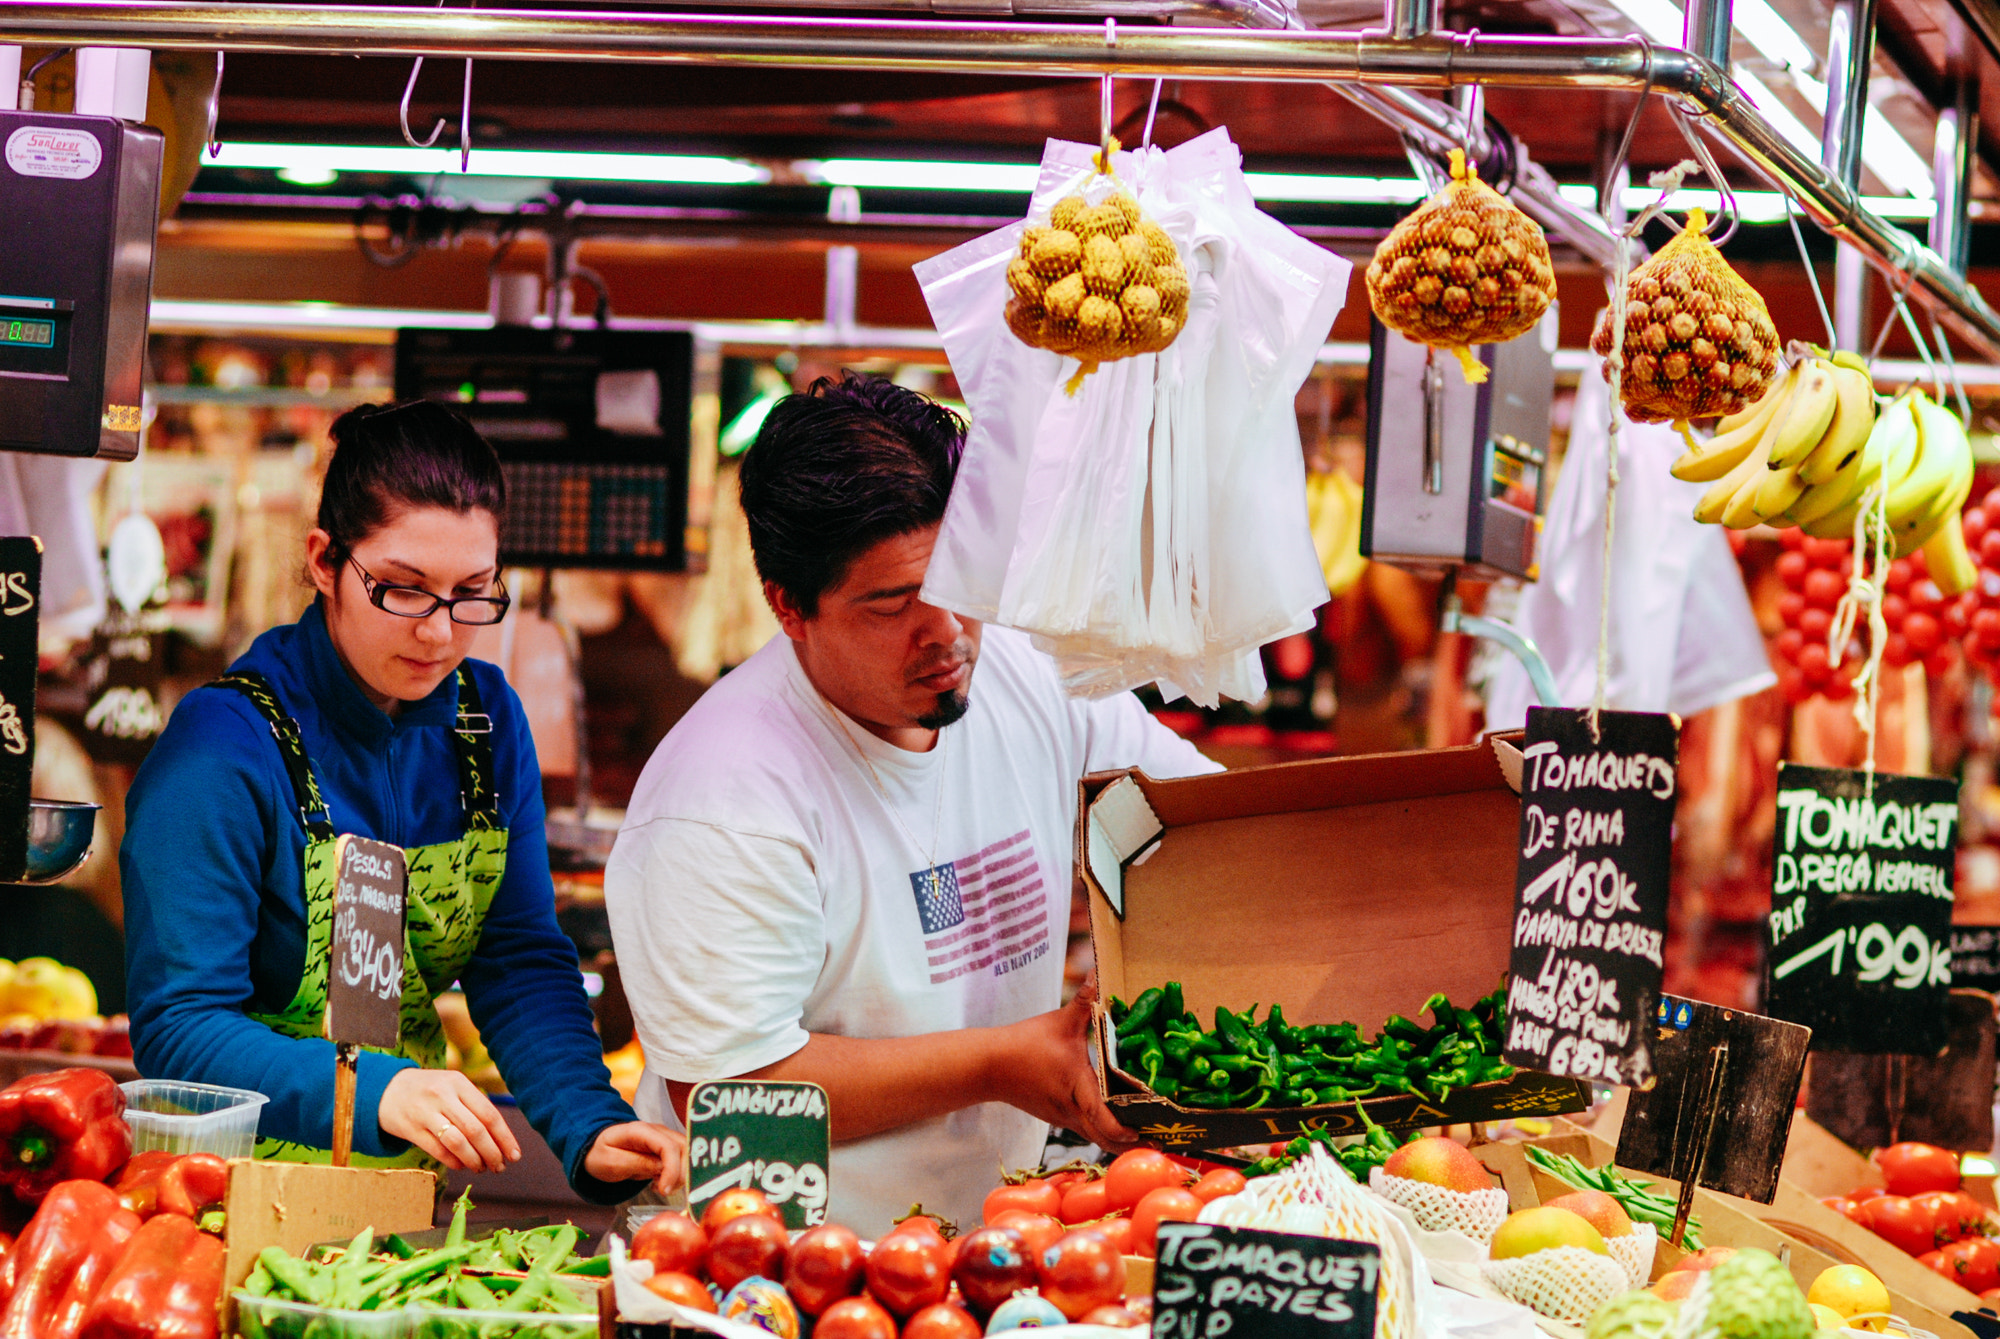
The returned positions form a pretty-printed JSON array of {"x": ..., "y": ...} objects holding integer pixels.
[{"x": 1861, "y": 894}]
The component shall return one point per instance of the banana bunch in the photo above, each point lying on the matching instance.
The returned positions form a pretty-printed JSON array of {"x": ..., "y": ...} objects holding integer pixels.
[
  {"x": 1333, "y": 504},
  {"x": 1810, "y": 450}
]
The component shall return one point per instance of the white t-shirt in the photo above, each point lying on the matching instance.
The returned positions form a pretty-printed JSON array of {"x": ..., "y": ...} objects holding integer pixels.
[{"x": 762, "y": 889}]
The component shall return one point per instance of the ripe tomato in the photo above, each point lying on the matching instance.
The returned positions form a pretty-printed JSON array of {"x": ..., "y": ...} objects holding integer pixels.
[
  {"x": 1898, "y": 1221},
  {"x": 1977, "y": 1260},
  {"x": 734, "y": 1204},
  {"x": 685, "y": 1289},
  {"x": 1968, "y": 1213},
  {"x": 1029, "y": 1197},
  {"x": 823, "y": 1266},
  {"x": 942, "y": 1321},
  {"x": 907, "y": 1272},
  {"x": 1081, "y": 1273},
  {"x": 990, "y": 1266},
  {"x": 673, "y": 1242},
  {"x": 1117, "y": 1231},
  {"x": 1860, "y": 1193},
  {"x": 855, "y": 1318},
  {"x": 1935, "y": 1262},
  {"x": 1942, "y": 1208},
  {"x": 1179, "y": 1206},
  {"x": 1138, "y": 1171},
  {"x": 1084, "y": 1202},
  {"x": 747, "y": 1246},
  {"x": 1038, "y": 1231},
  {"x": 923, "y": 1225},
  {"x": 1991, "y": 1297},
  {"x": 1222, "y": 1181},
  {"x": 1912, "y": 1169},
  {"x": 1067, "y": 1181},
  {"x": 1838, "y": 1204}
]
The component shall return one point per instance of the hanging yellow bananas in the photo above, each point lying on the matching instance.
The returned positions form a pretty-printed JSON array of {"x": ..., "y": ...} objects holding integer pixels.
[{"x": 1809, "y": 452}]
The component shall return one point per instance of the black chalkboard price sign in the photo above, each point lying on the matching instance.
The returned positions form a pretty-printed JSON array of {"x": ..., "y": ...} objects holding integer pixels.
[
  {"x": 1975, "y": 957},
  {"x": 20, "y": 631},
  {"x": 750, "y": 1134},
  {"x": 364, "y": 979},
  {"x": 1210, "y": 1281},
  {"x": 1861, "y": 891},
  {"x": 1590, "y": 903}
]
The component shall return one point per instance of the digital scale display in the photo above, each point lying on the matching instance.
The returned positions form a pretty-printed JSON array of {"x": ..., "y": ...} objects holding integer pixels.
[{"x": 38, "y": 334}]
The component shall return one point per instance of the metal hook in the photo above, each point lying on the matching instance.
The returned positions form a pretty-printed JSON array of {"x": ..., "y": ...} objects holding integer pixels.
[
  {"x": 1812, "y": 275},
  {"x": 215, "y": 110},
  {"x": 1152, "y": 110},
  {"x": 465, "y": 121},
  {"x": 1610, "y": 208},
  {"x": 1725, "y": 194},
  {"x": 404, "y": 112}
]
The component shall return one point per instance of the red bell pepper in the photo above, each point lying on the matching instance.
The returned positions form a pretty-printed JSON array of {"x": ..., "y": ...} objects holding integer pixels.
[
  {"x": 167, "y": 1285},
  {"x": 66, "y": 1125},
  {"x": 46, "y": 1258},
  {"x": 107, "y": 1248},
  {"x": 138, "y": 1184},
  {"x": 194, "y": 1186}
]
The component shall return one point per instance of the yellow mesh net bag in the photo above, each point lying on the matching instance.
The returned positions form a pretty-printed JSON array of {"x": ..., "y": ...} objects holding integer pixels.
[
  {"x": 1699, "y": 342},
  {"x": 1466, "y": 268},
  {"x": 1097, "y": 282}
]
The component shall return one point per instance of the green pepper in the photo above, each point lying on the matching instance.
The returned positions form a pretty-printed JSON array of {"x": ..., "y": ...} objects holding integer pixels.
[
  {"x": 1198, "y": 1069},
  {"x": 1118, "y": 1011},
  {"x": 1234, "y": 1033},
  {"x": 1164, "y": 1085},
  {"x": 1237, "y": 1064},
  {"x": 1170, "y": 1001},
  {"x": 1143, "y": 1009},
  {"x": 1211, "y": 1101},
  {"x": 1218, "y": 1079},
  {"x": 1208, "y": 1044},
  {"x": 1279, "y": 1033},
  {"x": 1178, "y": 1046}
]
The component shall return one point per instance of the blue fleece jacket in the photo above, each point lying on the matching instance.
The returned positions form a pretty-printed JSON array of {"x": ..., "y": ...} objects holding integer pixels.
[{"x": 215, "y": 908}]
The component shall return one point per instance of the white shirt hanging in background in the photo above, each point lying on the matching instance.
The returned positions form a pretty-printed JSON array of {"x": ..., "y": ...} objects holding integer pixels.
[{"x": 1683, "y": 638}]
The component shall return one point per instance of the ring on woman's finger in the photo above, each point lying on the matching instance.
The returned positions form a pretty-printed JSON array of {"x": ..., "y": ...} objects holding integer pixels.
[{"x": 445, "y": 1129}]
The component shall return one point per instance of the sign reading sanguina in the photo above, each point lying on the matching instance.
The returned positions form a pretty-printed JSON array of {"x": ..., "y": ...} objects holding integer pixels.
[{"x": 1590, "y": 909}]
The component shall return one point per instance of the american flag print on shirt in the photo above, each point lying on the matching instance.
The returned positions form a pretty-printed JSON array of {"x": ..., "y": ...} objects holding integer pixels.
[{"x": 987, "y": 911}]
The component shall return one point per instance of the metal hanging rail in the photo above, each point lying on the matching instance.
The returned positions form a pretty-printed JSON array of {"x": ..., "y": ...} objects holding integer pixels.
[{"x": 1437, "y": 61}]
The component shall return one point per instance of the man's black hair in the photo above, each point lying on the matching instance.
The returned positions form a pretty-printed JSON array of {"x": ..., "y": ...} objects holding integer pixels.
[{"x": 839, "y": 468}]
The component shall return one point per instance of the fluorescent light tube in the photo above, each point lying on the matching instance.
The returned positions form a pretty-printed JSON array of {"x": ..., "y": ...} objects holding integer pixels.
[
  {"x": 688, "y": 169},
  {"x": 901, "y": 174}
]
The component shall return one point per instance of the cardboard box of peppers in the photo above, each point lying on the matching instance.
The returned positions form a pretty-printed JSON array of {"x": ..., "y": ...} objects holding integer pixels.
[
  {"x": 111, "y": 1246},
  {"x": 1245, "y": 1064}
]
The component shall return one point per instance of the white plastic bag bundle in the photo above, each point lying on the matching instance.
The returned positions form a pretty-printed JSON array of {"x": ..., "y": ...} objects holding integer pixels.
[
  {"x": 1634, "y": 1252},
  {"x": 1478, "y": 1213},
  {"x": 1151, "y": 527}
]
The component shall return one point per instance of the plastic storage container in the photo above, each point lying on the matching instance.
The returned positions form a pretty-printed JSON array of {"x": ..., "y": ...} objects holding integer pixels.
[
  {"x": 192, "y": 1117},
  {"x": 443, "y": 1323},
  {"x": 273, "y": 1318}
]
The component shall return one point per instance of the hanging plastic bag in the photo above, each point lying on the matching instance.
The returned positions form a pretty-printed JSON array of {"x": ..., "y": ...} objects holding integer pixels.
[{"x": 1152, "y": 527}]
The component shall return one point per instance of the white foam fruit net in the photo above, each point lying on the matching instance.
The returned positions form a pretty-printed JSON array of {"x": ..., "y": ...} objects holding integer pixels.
[
  {"x": 1478, "y": 1213},
  {"x": 1316, "y": 1197},
  {"x": 1634, "y": 1251},
  {"x": 1564, "y": 1283}
]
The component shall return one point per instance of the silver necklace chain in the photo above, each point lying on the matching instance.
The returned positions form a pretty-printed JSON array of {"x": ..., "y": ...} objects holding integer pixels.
[{"x": 937, "y": 814}]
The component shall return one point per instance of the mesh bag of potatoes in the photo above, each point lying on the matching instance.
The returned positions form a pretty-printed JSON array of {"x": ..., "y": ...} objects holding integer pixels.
[
  {"x": 1477, "y": 1214},
  {"x": 1466, "y": 268},
  {"x": 1699, "y": 342},
  {"x": 1098, "y": 281}
]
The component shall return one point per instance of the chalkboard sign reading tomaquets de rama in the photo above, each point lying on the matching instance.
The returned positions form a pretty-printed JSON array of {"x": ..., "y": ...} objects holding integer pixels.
[
  {"x": 1861, "y": 892},
  {"x": 1590, "y": 902}
]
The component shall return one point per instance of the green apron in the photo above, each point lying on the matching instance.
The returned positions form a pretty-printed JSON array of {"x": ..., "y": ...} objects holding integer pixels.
[{"x": 451, "y": 886}]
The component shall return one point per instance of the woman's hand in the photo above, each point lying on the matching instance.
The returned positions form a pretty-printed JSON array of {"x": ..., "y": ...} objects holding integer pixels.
[
  {"x": 441, "y": 1112},
  {"x": 636, "y": 1149}
]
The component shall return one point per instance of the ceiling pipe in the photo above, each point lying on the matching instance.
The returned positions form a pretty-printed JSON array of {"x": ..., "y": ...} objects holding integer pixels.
[
  {"x": 1412, "y": 18},
  {"x": 1706, "y": 30},
  {"x": 1954, "y": 160},
  {"x": 1850, "y": 50},
  {"x": 1440, "y": 61}
]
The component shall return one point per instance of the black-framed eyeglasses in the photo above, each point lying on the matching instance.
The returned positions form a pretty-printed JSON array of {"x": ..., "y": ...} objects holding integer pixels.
[{"x": 415, "y": 602}]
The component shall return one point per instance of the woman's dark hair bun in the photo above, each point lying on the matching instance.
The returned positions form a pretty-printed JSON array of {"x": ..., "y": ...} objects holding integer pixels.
[{"x": 389, "y": 458}]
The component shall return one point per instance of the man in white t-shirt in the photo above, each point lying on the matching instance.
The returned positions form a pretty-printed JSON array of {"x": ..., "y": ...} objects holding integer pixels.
[{"x": 850, "y": 865}]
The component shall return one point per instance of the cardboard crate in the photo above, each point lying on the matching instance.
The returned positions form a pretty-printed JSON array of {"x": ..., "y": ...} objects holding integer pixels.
[
  {"x": 1807, "y": 1235},
  {"x": 292, "y": 1205},
  {"x": 1345, "y": 889}
]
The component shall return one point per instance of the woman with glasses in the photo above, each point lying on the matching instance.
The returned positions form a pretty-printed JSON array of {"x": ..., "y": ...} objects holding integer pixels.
[{"x": 367, "y": 717}]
